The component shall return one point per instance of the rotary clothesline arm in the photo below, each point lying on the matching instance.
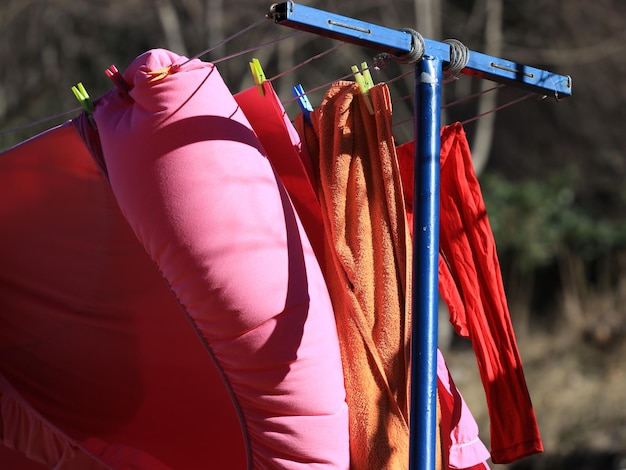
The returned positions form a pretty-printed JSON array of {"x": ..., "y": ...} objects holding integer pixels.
[
  {"x": 429, "y": 60},
  {"x": 399, "y": 43}
]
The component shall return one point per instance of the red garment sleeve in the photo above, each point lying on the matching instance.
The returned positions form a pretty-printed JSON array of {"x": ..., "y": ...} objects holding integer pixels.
[{"x": 470, "y": 282}]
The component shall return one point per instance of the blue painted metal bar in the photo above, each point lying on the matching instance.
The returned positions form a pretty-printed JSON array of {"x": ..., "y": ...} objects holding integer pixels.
[
  {"x": 399, "y": 42},
  {"x": 339, "y": 27},
  {"x": 423, "y": 417}
]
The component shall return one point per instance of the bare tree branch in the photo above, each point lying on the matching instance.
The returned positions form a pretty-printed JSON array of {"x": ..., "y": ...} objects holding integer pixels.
[
  {"x": 481, "y": 145},
  {"x": 428, "y": 18},
  {"x": 214, "y": 19},
  {"x": 601, "y": 50}
]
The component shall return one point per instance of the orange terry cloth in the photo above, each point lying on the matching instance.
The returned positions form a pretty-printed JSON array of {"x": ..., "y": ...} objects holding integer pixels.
[
  {"x": 363, "y": 211},
  {"x": 470, "y": 282}
]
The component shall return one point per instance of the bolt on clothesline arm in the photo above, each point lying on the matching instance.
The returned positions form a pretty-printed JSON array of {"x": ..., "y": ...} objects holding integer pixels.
[{"x": 399, "y": 42}]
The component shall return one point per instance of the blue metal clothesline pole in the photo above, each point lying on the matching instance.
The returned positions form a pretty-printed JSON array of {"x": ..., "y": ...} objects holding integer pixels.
[
  {"x": 423, "y": 410},
  {"x": 427, "y": 126}
]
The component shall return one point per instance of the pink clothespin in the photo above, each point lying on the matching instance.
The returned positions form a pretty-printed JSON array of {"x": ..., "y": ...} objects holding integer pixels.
[{"x": 114, "y": 74}]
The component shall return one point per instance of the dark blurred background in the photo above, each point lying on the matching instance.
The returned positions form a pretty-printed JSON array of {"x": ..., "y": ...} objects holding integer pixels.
[{"x": 552, "y": 171}]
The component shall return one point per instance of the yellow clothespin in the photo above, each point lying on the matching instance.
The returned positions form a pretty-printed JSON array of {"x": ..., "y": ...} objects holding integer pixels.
[
  {"x": 365, "y": 82},
  {"x": 258, "y": 75}
]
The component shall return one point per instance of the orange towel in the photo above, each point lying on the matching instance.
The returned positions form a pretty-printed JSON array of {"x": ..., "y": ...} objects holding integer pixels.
[{"x": 363, "y": 211}]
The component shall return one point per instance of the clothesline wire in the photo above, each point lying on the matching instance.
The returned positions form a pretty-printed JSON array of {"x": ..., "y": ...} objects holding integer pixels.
[
  {"x": 281, "y": 74},
  {"x": 445, "y": 81},
  {"x": 323, "y": 86},
  {"x": 401, "y": 76},
  {"x": 394, "y": 79},
  {"x": 197, "y": 56},
  {"x": 472, "y": 96},
  {"x": 505, "y": 105},
  {"x": 40, "y": 121},
  {"x": 327, "y": 84},
  {"x": 490, "y": 111},
  {"x": 226, "y": 40},
  {"x": 255, "y": 48},
  {"x": 453, "y": 103},
  {"x": 344, "y": 77},
  {"x": 307, "y": 61}
]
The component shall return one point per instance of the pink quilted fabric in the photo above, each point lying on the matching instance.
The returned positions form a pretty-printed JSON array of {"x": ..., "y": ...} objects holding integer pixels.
[{"x": 193, "y": 182}]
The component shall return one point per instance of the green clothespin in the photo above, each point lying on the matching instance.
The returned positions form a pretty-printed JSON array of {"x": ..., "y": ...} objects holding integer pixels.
[
  {"x": 367, "y": 76},
  {"x": 83, "y": 97},
  {"x": 365, "y": 82},
  {"x": 85, "y": 101}
]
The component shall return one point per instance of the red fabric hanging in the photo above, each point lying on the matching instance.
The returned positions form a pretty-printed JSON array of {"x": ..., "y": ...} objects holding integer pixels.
[
  {"x": 471, "y": 284},
  {"x": 102, "y": 365},
  {"x": 288, "y": 156}
]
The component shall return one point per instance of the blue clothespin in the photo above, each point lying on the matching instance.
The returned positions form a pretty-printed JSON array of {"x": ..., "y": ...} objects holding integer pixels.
[
  {"x": 258, "y": 75},
  {"x": 365, "y": 82},
  {"x": 303, "y": 102},
  {"x": 85, "y": 101}
]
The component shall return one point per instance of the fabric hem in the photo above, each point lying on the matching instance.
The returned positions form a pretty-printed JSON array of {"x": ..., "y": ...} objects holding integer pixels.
[{"x": 26, "y": 431}]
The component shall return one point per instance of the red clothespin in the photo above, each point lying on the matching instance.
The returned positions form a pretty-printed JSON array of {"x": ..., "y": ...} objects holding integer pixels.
[{"x": 120, "y": 83}]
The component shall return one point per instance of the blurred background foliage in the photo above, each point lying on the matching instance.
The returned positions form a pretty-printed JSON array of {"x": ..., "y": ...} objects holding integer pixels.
[{"x": 552, "y": 171}]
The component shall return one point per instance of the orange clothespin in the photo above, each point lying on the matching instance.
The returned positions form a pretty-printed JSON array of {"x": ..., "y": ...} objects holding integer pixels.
[
  {"x": 365, "y": 82},
  {"x": 258, "y": 75},
  {"x": 160, "y": 74}
]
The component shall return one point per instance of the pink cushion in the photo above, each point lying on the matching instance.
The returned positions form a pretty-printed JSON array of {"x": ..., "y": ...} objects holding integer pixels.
[{"x": 192, "y": 180}]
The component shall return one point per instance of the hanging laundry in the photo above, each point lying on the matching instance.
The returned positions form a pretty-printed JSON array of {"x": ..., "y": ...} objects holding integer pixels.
[
  {"x": 175, "y": 317},
  {"x": 459, "y": 431},
  {"x": 358, "y": 180},
  {"x": 363, "y": 213},
  {"x": 371, "y": 335},
  {"x": 192, "y": 179},
  {"x": 99, "y": 368},
  {"x": 471, "y": 284}
]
